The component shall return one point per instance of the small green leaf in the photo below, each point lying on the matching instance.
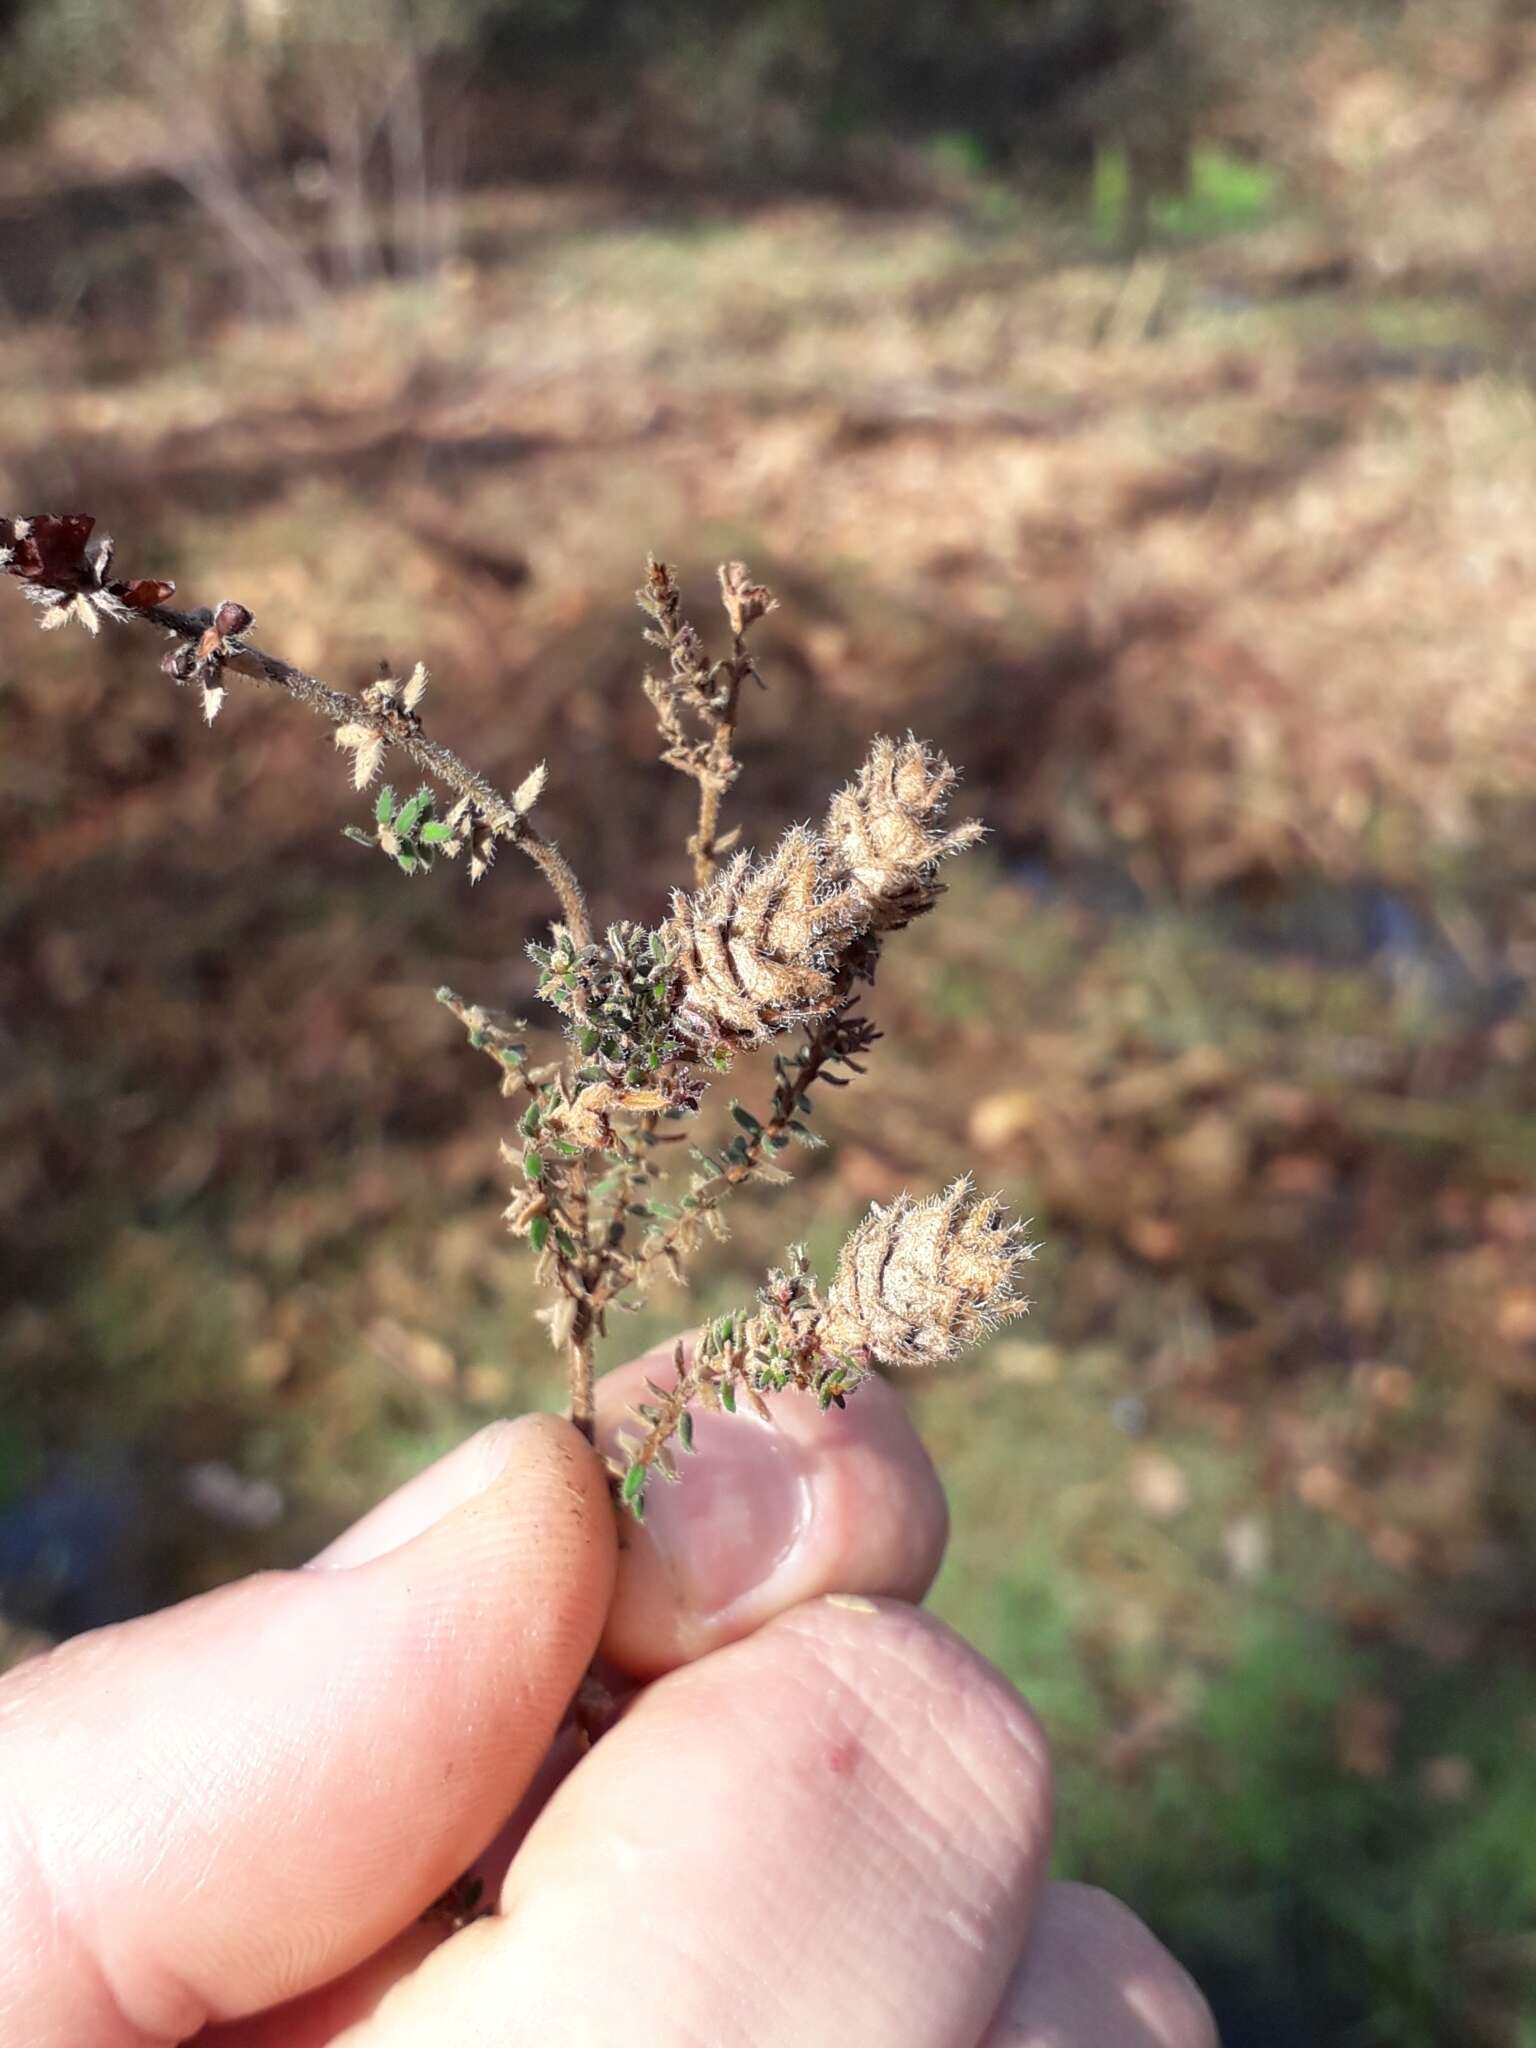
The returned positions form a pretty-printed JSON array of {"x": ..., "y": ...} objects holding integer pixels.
[
  {"x": 589, "y": 1039},
  {"x": 384, "y": 807},
  {"x": 406, "y": 860},
  {"x": 727, "y": 1397},
  {"x": 745, "y": 1118},
  {"x": 566, "y": 1242},
  {"x": 634, "y": 1485},
  {"x": 531, "y": 1118},
  {"x": 538, "y": 1233},
  {"x": 436, "y": 833},
  {"x": 412, "y": 812},
  {"x": 533, "y": 1165},
  {"x": 685, "y": 1430}
]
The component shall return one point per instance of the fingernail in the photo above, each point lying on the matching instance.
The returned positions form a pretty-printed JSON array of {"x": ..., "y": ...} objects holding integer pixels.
[{"x": 743, "y": 1505}]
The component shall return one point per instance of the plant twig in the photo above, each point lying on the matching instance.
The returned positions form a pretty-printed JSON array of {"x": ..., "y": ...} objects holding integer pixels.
[
  {"x": 709, "y": 691},
  {"x": 720, "y": 767},
  {"x": 400, "y": 730},
  {"x": 583, "y": 1397},
  {"x": 764, "y": 948}
]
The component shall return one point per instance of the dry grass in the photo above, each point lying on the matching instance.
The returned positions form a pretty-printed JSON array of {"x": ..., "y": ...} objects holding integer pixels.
[{"x": 1253, "y": 580}]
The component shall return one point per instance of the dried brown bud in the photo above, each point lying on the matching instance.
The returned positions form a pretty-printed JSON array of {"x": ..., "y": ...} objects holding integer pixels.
[
  {"x": 918, "y": 1282},
  {"x": 139, "y": 594},
  {"x": 586, "y": 1121},
  {"x": 660, "y": 596},
  {"x": 745, "y": 601},
  {"x": 231, "y": 619},
  {"x": 885, "y": 828},
  {"x": 758, "y": 950},
  {"x": 47, "y": 549}
]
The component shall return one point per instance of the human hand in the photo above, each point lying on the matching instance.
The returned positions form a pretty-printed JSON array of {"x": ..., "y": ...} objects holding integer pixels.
[{"x": 818, "y": 1820}]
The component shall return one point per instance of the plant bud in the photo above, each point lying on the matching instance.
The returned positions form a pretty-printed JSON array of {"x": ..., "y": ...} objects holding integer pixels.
[{"x": 885, "y": 828}]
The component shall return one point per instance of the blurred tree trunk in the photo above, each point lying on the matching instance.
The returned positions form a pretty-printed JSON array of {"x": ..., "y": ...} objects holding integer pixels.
[{"x": 347, "y": 145}]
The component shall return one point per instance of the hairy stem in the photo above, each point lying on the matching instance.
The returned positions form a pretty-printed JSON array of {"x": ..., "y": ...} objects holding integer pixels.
[
  {"x": 633, "y": 1172},
  {"x": 431, "y": 755},
  {"x": 707, "y": 693},
  {"x": 718, "y": 770},
  {"x": 582, "y": 1380}
]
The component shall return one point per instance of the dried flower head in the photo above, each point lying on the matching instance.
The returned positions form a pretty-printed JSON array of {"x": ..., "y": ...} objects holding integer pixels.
[
  {"x": 884, "y": 828},
  {"x": 759, "y": 950},
  {"x": 586, "y": 1120},
  {"x": 68, "y": 576},
  {"x": 918, "y": 1282},
  {"x": 745, "y": 601}
]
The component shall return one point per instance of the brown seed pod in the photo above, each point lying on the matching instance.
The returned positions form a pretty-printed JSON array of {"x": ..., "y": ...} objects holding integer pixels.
[{"x": 918, "y": 1282}]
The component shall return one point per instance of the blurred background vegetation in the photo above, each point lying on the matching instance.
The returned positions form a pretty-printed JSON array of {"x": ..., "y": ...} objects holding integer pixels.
[{"x": 1134, "y": 397}]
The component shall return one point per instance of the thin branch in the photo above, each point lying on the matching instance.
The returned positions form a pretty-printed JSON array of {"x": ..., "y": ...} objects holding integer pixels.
[
  {"x": 710, "y": 692},
  {"x": 582, "y": 1380},
  {"x": 399, "y": 730},
  {"x": 720, "y": 769}
]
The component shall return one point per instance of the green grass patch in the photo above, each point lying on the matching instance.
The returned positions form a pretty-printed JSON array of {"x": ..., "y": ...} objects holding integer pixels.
[{"x": 1224, "y": 193}]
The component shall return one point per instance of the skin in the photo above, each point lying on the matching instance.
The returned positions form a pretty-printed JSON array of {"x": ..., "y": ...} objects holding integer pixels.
[{"x": 817, "y": 1815}]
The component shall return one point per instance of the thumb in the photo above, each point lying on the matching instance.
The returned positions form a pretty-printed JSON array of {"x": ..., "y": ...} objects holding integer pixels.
[{"x": 222, "y": 1805}]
